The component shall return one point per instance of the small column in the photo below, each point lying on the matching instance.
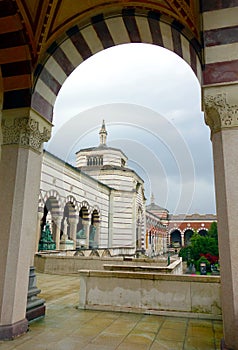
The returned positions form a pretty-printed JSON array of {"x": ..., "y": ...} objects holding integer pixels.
[
  {"x": 57, "y": 224},
  {"x": 73, "y": 221},
  {"x": 40, "y": 215},
  {"x": 65, "y": 237},
  {"x": 182, "y": 239},
  {"x": 97, "y": 233},
  {"x": 86, "y": 225},
  {"x": 221, "y": 114}
]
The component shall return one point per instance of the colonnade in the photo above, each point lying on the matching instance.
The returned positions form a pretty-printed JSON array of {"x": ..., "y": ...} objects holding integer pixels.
[{"x": 64, "y": 230}]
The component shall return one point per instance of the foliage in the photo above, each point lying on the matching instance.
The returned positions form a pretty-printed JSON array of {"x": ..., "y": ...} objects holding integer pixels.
[
  {"x": 202, "y": 247},
  {"x": 202, "y": 260},
  {"x": 212, "y": 232},
  {"x": 213, "y": 259},
  {"x": 184, "y": 253}
]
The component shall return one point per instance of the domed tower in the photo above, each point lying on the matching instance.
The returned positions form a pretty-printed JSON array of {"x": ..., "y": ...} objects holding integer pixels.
[
  {"x": 90, "y": 159},
  {"x": 127, "y": 201}
]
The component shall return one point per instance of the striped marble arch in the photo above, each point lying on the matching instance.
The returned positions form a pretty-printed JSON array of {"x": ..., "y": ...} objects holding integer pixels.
[
  {"x": 79, "y": 43},
  {"x": 220, "y": 33}
]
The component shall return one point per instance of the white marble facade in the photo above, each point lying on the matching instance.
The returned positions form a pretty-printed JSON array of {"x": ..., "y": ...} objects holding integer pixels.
[{"x": 100, "y": 193}]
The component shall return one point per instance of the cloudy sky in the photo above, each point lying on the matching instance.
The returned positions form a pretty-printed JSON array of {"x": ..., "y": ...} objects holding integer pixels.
[{"x": 151, "y": 103}]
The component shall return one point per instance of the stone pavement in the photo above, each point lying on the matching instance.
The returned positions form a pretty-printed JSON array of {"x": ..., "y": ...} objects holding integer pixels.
[{"x": 67, "y": 328}]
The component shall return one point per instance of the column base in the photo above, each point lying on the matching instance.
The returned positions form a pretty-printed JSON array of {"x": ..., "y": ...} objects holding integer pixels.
[
  {"x": 35, "y": 306},
  {"x": 11, "y": 331},
  {"x": 35, "y": 313}
]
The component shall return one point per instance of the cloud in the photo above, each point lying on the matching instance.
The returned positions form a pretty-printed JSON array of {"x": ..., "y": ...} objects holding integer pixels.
[{"x": 151, "y": 101}]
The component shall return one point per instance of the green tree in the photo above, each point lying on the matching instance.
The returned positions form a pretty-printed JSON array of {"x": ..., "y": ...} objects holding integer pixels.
[
  {"x": 201, "y": 245},
  {"x": 212, "y": 232}
]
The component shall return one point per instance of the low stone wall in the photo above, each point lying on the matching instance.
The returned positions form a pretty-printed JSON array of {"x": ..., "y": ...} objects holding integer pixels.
[
  {"x": 69, "y": 264},
  {"x": 175, "y": 268},
  {"x": 141, "y": 292}
]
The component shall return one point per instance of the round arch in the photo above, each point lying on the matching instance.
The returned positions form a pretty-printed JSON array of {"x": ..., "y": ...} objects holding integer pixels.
[
  {"x": 176, "y": 238},
  {"x": 52, "y": 206},
  {"x": 53, "y": 198},
  {"x": 70, "y": 199},
  {"x": 203, "y": 231},
  {"x": 95, "y": 217},
  {"x": 81, "y": 42},
  {"x": 187, "y": 236}
]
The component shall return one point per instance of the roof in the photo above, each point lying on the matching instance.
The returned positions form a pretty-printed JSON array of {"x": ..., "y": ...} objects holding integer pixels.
[
  {"x": 100, "y": 148},
  {"x": 193, "y": 217},
  {"x": 105, "y": 167},
  {"x": 153, "y": 206}
]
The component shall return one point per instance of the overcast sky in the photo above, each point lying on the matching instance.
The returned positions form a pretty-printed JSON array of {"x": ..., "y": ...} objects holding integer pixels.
[{"x": 151, "y": 103}]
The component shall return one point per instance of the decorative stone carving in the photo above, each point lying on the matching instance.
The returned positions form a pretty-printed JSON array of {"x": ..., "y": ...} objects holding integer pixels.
[
  {"x": 24, "y": 132},
  {"x": 219, "y": 114}
]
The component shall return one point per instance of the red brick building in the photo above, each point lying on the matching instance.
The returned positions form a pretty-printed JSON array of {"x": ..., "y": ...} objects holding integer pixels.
[{"x": 181, "y": 227}]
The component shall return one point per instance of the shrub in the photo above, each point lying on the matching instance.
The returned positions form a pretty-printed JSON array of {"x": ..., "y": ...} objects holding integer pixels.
[
  {"x": 202, "y": 260},
  {"x": 213, "y": 259}
]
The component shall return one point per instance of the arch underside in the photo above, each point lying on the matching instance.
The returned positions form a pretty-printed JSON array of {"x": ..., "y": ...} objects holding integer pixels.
[{"x": 78, "y": 44}]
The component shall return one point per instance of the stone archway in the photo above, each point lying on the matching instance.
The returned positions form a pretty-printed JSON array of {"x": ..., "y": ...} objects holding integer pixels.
[
  {"x": 81, "y": 42},
  {"x": 187, "y": 236},
  {"x": 175, "y": 238},
  {"x": 220, "y": 102},
  {"x": 51, "y": 207},
  {"x": 83, "y": 227},
  {"x": 203, "y": 232},
  {"x": 94, "y": 234}
]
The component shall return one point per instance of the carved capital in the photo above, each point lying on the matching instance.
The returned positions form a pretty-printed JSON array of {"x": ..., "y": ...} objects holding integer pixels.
[
  {"x": 219, "y": 114},
  {"x": 25, "y": 132}
]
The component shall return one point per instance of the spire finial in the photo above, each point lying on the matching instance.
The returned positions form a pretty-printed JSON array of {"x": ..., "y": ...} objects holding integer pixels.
[
  {"x": 152, "y": 198},
  {"x": 103, "y": 134}
]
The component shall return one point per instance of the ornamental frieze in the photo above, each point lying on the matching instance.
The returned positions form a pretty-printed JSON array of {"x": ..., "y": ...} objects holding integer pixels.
[
  {"x": 24, "y": 132},
  {"x": 219, "y": 114}
]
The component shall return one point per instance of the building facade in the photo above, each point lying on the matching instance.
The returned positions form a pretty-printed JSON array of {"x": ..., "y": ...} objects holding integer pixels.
[
  {"x": 98, "y": 203},
  {"x": 182, "y": 227}
]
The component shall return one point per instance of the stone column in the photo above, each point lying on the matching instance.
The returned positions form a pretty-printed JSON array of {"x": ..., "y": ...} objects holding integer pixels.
[
  {"x": 24, "y": 132},
  {"x": 97, "y": 233},
  {"x": 57, "y": 221},
  {"x": 182, "y": 239},
  {"x": 73, "y": 222},
  {"x": 40, "y": 215},
  {"x": 86, "y": 225},
  {"x": 65, "y": 237},
  {"x": 221, "y": 114}
]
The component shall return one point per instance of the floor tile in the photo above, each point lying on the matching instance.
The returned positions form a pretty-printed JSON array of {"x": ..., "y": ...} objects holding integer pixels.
[{"x": 67, "y": 328}]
